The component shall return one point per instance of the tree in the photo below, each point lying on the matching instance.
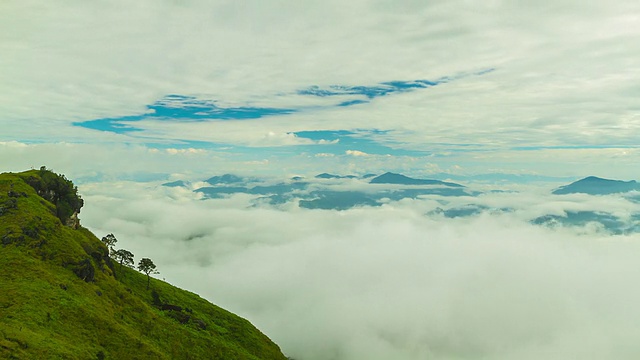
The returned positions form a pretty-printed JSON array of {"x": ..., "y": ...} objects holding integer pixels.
[
  {"x": 110, "y": 240},
  {"x": 124, "y": 257},
  {"x": 147, "y": 266}
]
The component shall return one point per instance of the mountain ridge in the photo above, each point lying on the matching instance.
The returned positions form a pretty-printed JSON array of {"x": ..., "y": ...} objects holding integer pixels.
[
  {"x": 399, "y": 179},
  {"x": 62, "y": 296},
  {"x": 594, "y": 185}
]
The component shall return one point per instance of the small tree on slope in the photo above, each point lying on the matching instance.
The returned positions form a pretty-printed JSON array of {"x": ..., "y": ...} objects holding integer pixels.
[
  {"x": 147, "y": 266},
  {"x": 110, "y": 240},
  {"x": 124, "y": 257}
]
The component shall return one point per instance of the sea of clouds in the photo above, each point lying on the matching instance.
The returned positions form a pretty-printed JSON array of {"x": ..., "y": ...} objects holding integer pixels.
[{"x": 394, "y": 282}]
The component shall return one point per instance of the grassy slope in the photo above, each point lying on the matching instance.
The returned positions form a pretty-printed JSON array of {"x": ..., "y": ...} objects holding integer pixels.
[{"x": 49, "y": 312}]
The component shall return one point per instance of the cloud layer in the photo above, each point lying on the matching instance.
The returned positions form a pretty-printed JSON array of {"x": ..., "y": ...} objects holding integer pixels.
[{"x": 389, "y": 282}]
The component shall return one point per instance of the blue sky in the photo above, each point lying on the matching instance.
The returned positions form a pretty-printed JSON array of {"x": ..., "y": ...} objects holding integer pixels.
[
  {"x": 182, "y": 108},
  {"x": 543, "y": 89}
]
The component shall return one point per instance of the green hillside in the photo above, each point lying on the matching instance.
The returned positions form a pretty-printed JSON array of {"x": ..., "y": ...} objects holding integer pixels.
[{"x": 62, "y": 297}]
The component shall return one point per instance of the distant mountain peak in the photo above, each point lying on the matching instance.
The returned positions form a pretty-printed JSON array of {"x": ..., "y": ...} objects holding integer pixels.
[
  {"x": 177, "y": 183},
  {"x": 225, "y": 179},
  {"x": 594, "y": 185},
  {"x": 393, "y": 178},
  {"x": 333, "y": 176}
]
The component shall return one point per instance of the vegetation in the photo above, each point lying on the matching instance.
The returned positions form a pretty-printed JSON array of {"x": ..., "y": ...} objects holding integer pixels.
[
  {"x": 59, "y": 298},
  {"x": 109, "y": 240},
  {"x": 56, "y": 189},
  {"x": 124, "y": 257},
  {"x": 147, "y": 266}
]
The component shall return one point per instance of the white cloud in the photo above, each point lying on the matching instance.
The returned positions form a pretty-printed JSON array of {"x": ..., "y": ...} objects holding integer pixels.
[
  {"x": 173, "y": 151},
  {"x": 356, "y": 153}
]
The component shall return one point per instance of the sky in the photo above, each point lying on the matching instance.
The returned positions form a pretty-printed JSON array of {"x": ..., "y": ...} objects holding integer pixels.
[
  {"x": 544, "y": 87},
  {"x": 509, "y": 98}
]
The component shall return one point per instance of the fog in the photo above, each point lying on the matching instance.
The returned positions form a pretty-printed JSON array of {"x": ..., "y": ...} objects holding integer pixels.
[{"x": 391, "y": 282}]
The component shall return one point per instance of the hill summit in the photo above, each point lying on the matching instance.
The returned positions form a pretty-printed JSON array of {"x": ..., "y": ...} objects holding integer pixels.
[{"x": 62, "y": 296}]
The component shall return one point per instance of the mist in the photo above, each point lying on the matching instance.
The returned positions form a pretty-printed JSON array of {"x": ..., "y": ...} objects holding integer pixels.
[{"x": 389, "y": 282}]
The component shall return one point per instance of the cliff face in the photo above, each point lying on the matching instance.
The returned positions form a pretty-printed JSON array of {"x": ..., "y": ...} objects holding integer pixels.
[{"x": 61, "y": 296}]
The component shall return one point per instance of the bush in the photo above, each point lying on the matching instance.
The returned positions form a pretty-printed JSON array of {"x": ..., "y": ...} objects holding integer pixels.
[{"x": 58, "y": 190}]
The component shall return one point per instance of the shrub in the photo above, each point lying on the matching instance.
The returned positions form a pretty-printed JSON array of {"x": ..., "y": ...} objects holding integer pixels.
[{"x": 58, "y": 190}]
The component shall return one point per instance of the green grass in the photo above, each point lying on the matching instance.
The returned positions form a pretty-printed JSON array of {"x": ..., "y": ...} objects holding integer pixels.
[{"x": 47, "y": 311}]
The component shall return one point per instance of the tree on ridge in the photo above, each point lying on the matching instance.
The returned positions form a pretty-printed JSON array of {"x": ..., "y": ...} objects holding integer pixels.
[
  {"x": 110, "y": 240},
  {"x": 147, "y": 266},
  {"x": 124, "y": 257}
]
